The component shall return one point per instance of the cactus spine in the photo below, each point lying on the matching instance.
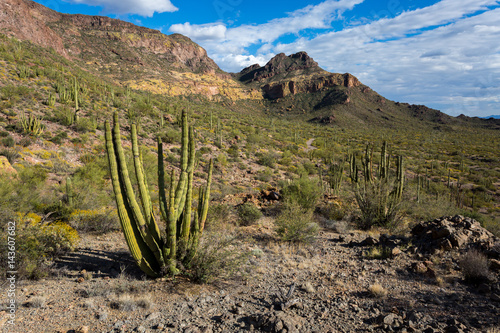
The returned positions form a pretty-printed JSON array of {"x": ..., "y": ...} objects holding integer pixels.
[{"x": 154, "y": 254}]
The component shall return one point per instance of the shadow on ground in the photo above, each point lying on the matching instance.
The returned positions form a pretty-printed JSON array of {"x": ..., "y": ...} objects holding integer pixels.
[{"x": 100, "y": 263}]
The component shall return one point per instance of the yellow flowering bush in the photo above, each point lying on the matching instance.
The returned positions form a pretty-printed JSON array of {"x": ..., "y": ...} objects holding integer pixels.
[
  {"x": 99, "y": 220},
  {"x": 38, "y": 243}
]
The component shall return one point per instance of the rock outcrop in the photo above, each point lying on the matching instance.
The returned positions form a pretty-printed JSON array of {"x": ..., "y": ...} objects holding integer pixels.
[
  {"x": 453, "y": 232},
  {"x": 289, "y": 75}
]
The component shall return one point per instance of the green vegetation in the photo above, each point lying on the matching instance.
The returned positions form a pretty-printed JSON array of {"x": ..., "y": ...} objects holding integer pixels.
[
  {"x": 51, "y": 116},
  {"x": 248, "y": 213},
  {"x": 153, "y": 254}
]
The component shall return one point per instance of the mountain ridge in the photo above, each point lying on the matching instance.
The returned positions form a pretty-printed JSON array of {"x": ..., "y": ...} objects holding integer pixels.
[{"x": 173, "y": 65}]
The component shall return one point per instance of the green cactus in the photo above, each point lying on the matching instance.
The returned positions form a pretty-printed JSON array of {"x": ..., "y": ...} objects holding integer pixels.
[
  {"x": 51, "y": 101},
  {"x": 69, "y": 191},
  {"x": 335, "y": 176},
  {"x": 353, "y": 168},
  {"x": 154, "y": 254},
  {"x": 378, "y": 196},
  {"x": 384, "y": 162},
  {"x": 368, "y": 164},
  {"x": 75, "y": 93},
  {"x": 31, "y": 125}
]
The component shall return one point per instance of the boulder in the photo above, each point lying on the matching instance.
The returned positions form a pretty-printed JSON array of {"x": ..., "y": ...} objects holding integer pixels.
[{"x": 452, "y": 232}]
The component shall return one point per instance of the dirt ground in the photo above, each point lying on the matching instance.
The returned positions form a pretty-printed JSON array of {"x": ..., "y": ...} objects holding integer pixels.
[{"x": 334, "y": 285}]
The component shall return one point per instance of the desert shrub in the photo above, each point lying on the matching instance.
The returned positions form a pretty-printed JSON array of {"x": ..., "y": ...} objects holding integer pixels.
[
  {"x": 57, "y": 139},
  {"x": 64, "y": 116},
  {"x": 218, "y": 215},
  {"x": 234, "y": 152},
  {"x": 170, "y": 135},
  {"x": 378, "y": 252},
  {"x": 303, "y": 191},
  {"x": 127, "y": 302},
  {"x": 90, "y": 191},
  {"x": 37, "y": 244},
  {"x": 86, "y": 125},
  {"x": 474, "y": 265},
  {"x": 248, "y": 213},
  {"x": 377, "y": 291},
  {"x": 286, "y": 158},
  {"x": 25, "y": 141},
  {"x": 295, "y": 224},
  {"x": 100, "y": 220},
  {"x": 218, "y": 257},
  {"x": 310, "y": 168},
  {"x": 11, "y": 155},
  {"x": 8, "y": 141},
  {"x": 221, "y": 160},
  {"x": 266, "y": 159},
  {"x": 265, "y": 175}
]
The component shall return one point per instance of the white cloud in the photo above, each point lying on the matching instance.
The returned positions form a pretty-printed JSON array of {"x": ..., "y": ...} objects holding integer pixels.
[
  {"x": 140, "y": 7},
  {"x": 225, "y": 44},
  {"x": 446, "y": 55},
  {"x": 200, "y": 32}
]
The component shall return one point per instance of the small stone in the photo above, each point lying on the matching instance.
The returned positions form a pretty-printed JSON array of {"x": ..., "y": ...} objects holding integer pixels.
[
  {"x": 389, "y": 319},
  {"x": 309, "y": 287},
  {"x": 396, "y": 251},
  {"x": 82, "y": 329},
  {"x": 80, "y": 280},
  {"x": 153, "y": 316},
  {"x": 495, "y": 264},
  {"x": 140, "y": 329}
]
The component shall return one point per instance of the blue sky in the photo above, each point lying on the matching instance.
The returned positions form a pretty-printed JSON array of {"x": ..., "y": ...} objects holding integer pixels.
[{"x": 444, "y": 54}]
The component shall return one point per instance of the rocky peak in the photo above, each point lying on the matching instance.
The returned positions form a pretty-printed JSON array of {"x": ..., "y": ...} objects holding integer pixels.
[{"x": 280, "y": 64}]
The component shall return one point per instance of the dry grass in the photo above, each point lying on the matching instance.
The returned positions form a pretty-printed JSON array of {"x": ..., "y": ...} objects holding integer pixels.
[
  {"x": 377, "y": 291},
  {"x": 474, "y": 265},
  {"x": 127, "y": 302},
  {"x": 38, "y": 302}
]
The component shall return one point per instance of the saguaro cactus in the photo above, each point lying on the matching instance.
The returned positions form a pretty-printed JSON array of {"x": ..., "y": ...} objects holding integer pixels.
[{"x": 154, "y": 254}]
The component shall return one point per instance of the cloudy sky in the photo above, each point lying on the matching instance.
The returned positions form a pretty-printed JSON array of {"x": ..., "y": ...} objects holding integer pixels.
[{"x": 444, "y": 54}]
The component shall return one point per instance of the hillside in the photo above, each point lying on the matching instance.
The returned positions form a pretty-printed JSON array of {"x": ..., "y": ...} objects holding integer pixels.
[
  {"x": 319, "y": 185},
  {"x": 121, "y": 51}
]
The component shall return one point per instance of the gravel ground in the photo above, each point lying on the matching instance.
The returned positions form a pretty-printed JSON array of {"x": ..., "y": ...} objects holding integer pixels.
[{"x": 333, "y": 285}]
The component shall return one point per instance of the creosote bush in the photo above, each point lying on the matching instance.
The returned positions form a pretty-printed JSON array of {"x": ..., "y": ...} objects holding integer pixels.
[
  {"x": 303, "y": 191},
  {"x": 218, "y": 256},
  {"x": 248, "y": 213},
  {"x": 295, "y": 224}
]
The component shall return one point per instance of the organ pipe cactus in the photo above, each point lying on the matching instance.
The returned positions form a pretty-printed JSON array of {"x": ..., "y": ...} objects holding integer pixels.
[
  {"x": 154, "y": 254},
  {"x": 378, "y": 196},
  {"x": 31, "y": 125}
]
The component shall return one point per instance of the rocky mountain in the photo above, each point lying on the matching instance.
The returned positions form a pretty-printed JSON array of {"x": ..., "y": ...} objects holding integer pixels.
[
  {"x": 136, "y": 56},
  {"x": 295, "y": 85},
  {"x": 297, "y": 73},
  {"x": 173, "y": 65}
]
